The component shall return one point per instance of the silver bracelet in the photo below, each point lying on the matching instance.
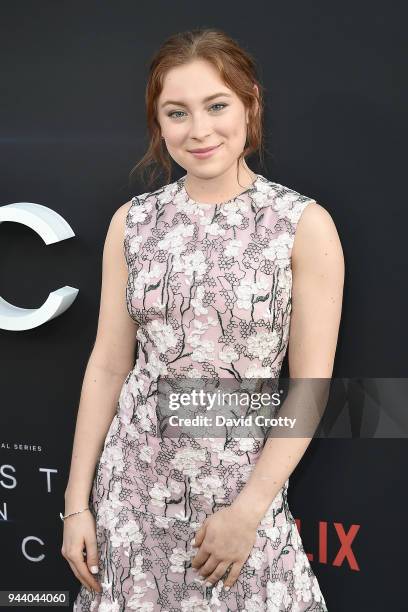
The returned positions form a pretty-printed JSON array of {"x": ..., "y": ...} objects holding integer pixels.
[{"x": 67, "y": 515}]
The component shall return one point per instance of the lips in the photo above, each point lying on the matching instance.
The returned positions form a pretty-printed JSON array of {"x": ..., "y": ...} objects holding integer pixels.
[{"x": 203, "y": 150}]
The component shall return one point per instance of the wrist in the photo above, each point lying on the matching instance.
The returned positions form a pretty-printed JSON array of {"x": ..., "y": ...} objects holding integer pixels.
[
  {"x": 75, "y": 499},
  {"x": 247, "y": 512},
  {"x": 67, "y": 515}
]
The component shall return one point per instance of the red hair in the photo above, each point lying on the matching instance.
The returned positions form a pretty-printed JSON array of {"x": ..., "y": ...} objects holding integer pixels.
[{"x": 236, "y": 68}]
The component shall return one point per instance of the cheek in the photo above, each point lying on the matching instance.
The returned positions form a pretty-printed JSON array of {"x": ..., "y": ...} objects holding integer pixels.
[
  {"x": 236, "y": 139},
  {"x": 234, "y": 127},
  {"x": 173, "y": 132},
  {"x": 175, "y": 135}
]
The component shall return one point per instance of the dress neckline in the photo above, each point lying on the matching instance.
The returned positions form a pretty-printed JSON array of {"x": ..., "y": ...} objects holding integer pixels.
[{"x": 204, "y": 205}]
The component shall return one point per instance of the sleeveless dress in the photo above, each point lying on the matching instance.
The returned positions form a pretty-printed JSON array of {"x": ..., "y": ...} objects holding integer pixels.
[{"x": 210, "y": 288}]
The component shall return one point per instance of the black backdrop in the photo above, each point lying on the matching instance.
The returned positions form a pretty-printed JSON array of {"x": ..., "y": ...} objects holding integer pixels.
[{"x": 72, "y": 127}]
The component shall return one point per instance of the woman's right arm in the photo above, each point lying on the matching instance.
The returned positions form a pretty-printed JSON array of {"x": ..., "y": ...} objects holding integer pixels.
[{"x": 111, "y": 359}]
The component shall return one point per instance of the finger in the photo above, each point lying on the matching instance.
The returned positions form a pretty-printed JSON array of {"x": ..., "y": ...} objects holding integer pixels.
[
  {"x": 199, "y": 535},
  {"x": 200, "y": 558},
  {"x": 233, "y": 574},
  {"x": 85, "y": 574},
  {"x": 208, "y": 567},
  {"x": 218, "y": 572},
  {"x": 92, "y": 556},
  {"x": 77, "y": 575}
]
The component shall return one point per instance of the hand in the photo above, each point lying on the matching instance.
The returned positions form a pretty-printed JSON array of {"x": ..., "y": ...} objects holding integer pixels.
[
  {"x": 226, "y": 537},
  {"x": 80, "y": 533}
]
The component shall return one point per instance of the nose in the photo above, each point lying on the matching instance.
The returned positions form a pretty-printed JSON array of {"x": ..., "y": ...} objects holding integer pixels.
[{"x": 200, "y": 127}]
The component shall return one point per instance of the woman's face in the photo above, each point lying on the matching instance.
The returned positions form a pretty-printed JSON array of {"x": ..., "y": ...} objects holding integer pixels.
[{"x": 188, "y": 121}]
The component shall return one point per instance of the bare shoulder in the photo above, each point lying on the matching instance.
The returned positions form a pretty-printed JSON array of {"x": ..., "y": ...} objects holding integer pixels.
[
  {"x": 121, "y": 213},
  {"x": 118, "y": 221},
  {"x": 316, "y": 235},
  {"x": 315, "y": 218},
  {"x": 115, "y": 235}
]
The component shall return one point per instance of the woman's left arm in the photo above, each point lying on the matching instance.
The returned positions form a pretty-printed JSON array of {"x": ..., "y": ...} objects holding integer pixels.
[{"x": 317, "y": 291}]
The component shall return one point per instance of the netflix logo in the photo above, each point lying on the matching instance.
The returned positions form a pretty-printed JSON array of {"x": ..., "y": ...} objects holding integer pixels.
[{"x": 343, "y": 553}]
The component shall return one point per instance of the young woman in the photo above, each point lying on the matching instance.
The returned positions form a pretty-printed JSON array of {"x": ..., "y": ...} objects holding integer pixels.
[{"x": 204, "y": 278}]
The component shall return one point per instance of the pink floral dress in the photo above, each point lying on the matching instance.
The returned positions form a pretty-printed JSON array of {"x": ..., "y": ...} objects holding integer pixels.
[{"x": 210, "y": 287}]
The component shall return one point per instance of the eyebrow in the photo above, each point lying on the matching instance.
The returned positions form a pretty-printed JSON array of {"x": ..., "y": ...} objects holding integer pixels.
[{"x": 207, "y": 99}]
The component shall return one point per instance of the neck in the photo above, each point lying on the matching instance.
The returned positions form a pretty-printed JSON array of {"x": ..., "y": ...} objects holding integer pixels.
[{"x": 221, "y": 187}]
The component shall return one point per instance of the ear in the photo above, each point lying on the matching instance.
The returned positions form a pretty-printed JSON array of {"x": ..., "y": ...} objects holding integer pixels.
[
  {"x": 256, "y": 109},
  {"x": 256, "y": 103}
]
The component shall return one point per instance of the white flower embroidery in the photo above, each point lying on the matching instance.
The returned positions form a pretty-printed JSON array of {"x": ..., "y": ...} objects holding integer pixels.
[
  {"x": 144, "y": 277},
  {"x": 162, "y": 521},
  {"x": 278, "y": 249},
  {"x": 246, "y": 444},
  {"x": 228, "y": 354},
  {"x": 154, "y": 366},
  {"x": 127, "y": 534},
  {"x": 214, "y": 229},
  {"x": 136, "y": 603},
  {"x": 174, "y": 241},
  {"x": 272, "y": 532},
  {"x": 194, "y": 264},
  {"x": 195, "y": 604},
  {"x": 284, "y": 203},
  {"x": 159, "y": 304},
  {"x": 204, "y": 351},
  {"x": 188, "y": 460},
  {"x": 208, "y": 486},
  {"x": 294, "y": 213},
  {"x": 256, "y": 559},
  {"x": 227, "y": 455},
  {"x": 139, "y": 213},
  {"x": 163, "y": 335},
  {"x": 136, "y": 384},
  {"x": 134, "y": 244},
  {"x": 254, "y": 371},
  {"x": 277, "y": 594},
  {"x": 254, "y": 603},
  {"x": 136, "y": 570},
  {"x": 112, "y": 457},
  {"x": 109, "y": 509},
  {"x": 232, "y": 248},
  {"x": 263, "y": 344},
  {"x": 234, "y": 218},
  {"x": 158, "y": 493},
  {"x": 177, "y": 559},
  {"x": 146, "y": 453},
  {"x": 197, "y": 304},
  {"x": 285, "y": 279},
  {"x": 247, "y": 289}
]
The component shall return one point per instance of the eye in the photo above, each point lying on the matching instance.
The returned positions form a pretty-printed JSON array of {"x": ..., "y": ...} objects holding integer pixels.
[
  {"x": 219, "y": 104},
  {"x": 173, "y": 113}
]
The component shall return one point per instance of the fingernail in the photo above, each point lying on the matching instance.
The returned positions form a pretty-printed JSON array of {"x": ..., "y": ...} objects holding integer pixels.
[
  {"x": 192, "y": 542},
  {"x": 227, "y": 588},
  {"x": 207, "y": 584},
  {"x": 94, "y": 569}
]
